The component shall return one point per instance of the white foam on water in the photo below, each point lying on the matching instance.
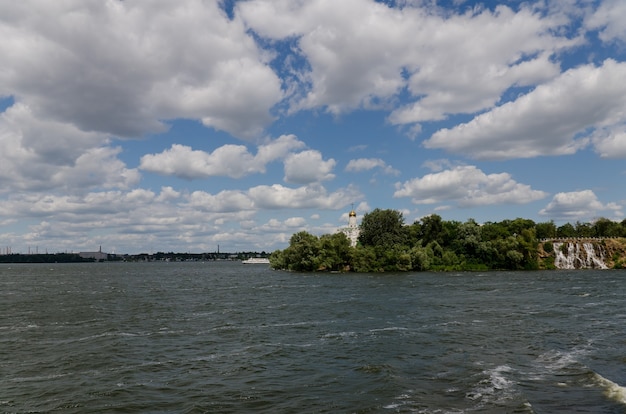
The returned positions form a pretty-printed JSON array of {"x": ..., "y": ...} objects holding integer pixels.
[
  {"x": 333, "y": 335},
  {"x": 400, "y": 401},
  {"x": 392, "y": 406},
  {"x": 555, "y": 361},
  {"x": 612, "y": 390},
  {"x": 554, "y": 364},
  {"x": 496, "y": 387},
  {"x": 391, "y": 328}
]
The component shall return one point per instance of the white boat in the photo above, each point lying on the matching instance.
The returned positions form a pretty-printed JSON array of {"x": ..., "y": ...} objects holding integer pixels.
[{"x": 256, "y": 260}]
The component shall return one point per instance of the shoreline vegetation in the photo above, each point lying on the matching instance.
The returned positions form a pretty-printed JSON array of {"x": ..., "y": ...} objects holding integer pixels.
[{"x": 386, "y": 244}]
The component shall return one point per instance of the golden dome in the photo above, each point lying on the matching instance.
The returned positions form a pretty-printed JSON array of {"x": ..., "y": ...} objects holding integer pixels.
[{"x": 352, "y": 213}]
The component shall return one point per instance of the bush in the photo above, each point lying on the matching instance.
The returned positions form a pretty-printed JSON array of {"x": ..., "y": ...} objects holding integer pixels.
[{"x": 548, "y": 247}]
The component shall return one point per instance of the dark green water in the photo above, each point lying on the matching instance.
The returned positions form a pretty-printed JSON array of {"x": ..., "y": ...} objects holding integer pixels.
[{"x": 233, "y": 338}]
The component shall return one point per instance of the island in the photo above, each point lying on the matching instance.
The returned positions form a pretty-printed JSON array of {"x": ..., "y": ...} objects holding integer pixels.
[{"x": 385, "y": 244}]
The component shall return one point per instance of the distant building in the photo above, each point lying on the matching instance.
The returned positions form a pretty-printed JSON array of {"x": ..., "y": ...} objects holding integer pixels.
[
  {"x": 352, "y": 231},
  {"x": 94, "y": 255}
]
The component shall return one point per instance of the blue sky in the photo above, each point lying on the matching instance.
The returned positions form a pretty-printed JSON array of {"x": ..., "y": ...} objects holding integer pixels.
[{"x": 180, "y": 126}]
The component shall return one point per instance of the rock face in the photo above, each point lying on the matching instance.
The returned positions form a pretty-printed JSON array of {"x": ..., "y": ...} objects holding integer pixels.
[{"x": 584, "y": 253}]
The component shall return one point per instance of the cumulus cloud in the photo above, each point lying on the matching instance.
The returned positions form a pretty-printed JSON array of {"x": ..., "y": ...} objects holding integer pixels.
[
  {"x": 96, "y": 168},
  {"x": 121, "y": 68},
  {"x": 579, "y": 205},
  {"x": 168, "y": 194},
  {"x": 608, "y": 18},
  {"x": 610, "y": 142},
  {"x": 308, "y": 167},
  {"x": 295, "y": 222},
  {"x": 138, "y": 218},
  {"x": 233, "y": 161},
  {"x": 78, "y": 208},
  {"x": 313, "y": 196},
  {"x": 224, "y": 201},
  {"x": 278, "y": 148},
  {"x": 366, "y": 164},
  {"x": 438, "y": 165},
  {"x": 182, "y": 161},
  {"x": 38, "y": 154},
  {"x": 468, "y": 187},
  {"x": 363, "y": 53},
  {"x": 547, "y": 120}
]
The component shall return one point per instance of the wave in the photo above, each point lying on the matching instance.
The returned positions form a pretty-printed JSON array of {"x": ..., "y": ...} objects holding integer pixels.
[
  {"x": 336, "y": 335},
  {"x": 570, "y": 371},
  {"x": 495, "y": 387},
  {"x": 389, "y": 329},
  {"x": 612, "y": 390}
]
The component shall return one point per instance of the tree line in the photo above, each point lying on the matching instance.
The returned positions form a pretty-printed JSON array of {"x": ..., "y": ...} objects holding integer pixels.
[
  {"x": 386, "y": 244},
  {"x": 43, "y": 258}
]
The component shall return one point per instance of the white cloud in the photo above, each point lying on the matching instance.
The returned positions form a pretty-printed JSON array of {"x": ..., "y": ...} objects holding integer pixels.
[
  {"x": 233, "y": 161},
  {"x": 610, "y": 142},
  {"x": 168, "y": 194},
  {"x": 547, "y": 120},
  {"x": 122, "y": 67},
  {"x": 362, "y": 53},
  {"x": 38, "y": 154},
  {"x": 77, "y": 208},
  {"x": 182, "y": 161},
  {"x": 224, "y": 201},
  {"x": 366, "y": 164},
  {"x": 579, "y": 205},
  {"x": 312, "y": 196},
  {"x": 278, "y": 148},
  {"x": 295, "y": 222},
  {"x": 49, "y": 141},
  {"x": 438, "y": 165},
  {"x": 129, "y": 220},
  {"x": 96, "y": 168},
  {"x": 609, "y": 20},
  {"x": 308, "y": 167},
  {"x": 468, "y": 187},
  {"x": 134, "y": 220}
]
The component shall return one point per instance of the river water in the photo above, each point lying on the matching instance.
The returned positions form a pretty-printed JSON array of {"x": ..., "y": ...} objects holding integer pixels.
[{"x": 223, "y": 337}]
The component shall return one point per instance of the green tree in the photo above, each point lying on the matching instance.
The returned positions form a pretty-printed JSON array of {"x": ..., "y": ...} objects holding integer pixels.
[
  {"x": 566, "y": 230},
  {"x": 302, "y": 253},
  {"x": 420, "y": 258},
  {"x": 433, "y": 229},
  {"x": 488, "y": 254},
  {"x": 382, "y": 228},
  {"x": 334, "y": 252},
  {"x": 277, "y": 260},
  {"x": 363, "y": 259},
  {"x": 603, "y": 227},
  {"x": 518, "y": 225},
  {"x": 528, "y": 247},
  {"x": 546, "y": 230},
  {"x": 493, "y": 231},
  {"x": 468, "y": 237},
  {"x": 583, "y": 229},
  {"x": 414, "y": 234}
]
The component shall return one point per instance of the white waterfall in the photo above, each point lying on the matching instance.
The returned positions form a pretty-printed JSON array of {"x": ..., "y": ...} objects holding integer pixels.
[
  {"x": 580, "y": 255},
  {"x": 594, "y": 261}
]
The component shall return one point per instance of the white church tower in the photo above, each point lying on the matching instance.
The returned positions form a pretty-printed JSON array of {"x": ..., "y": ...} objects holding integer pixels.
[{"x": 352, "y": 231}]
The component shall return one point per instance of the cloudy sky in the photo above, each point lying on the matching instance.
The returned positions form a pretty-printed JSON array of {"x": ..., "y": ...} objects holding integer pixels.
[{"x": 144, "y": 126}]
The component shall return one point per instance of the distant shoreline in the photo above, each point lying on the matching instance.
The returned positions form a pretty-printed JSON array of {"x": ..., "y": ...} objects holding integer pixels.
[{"x": 142, "y": 257}]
